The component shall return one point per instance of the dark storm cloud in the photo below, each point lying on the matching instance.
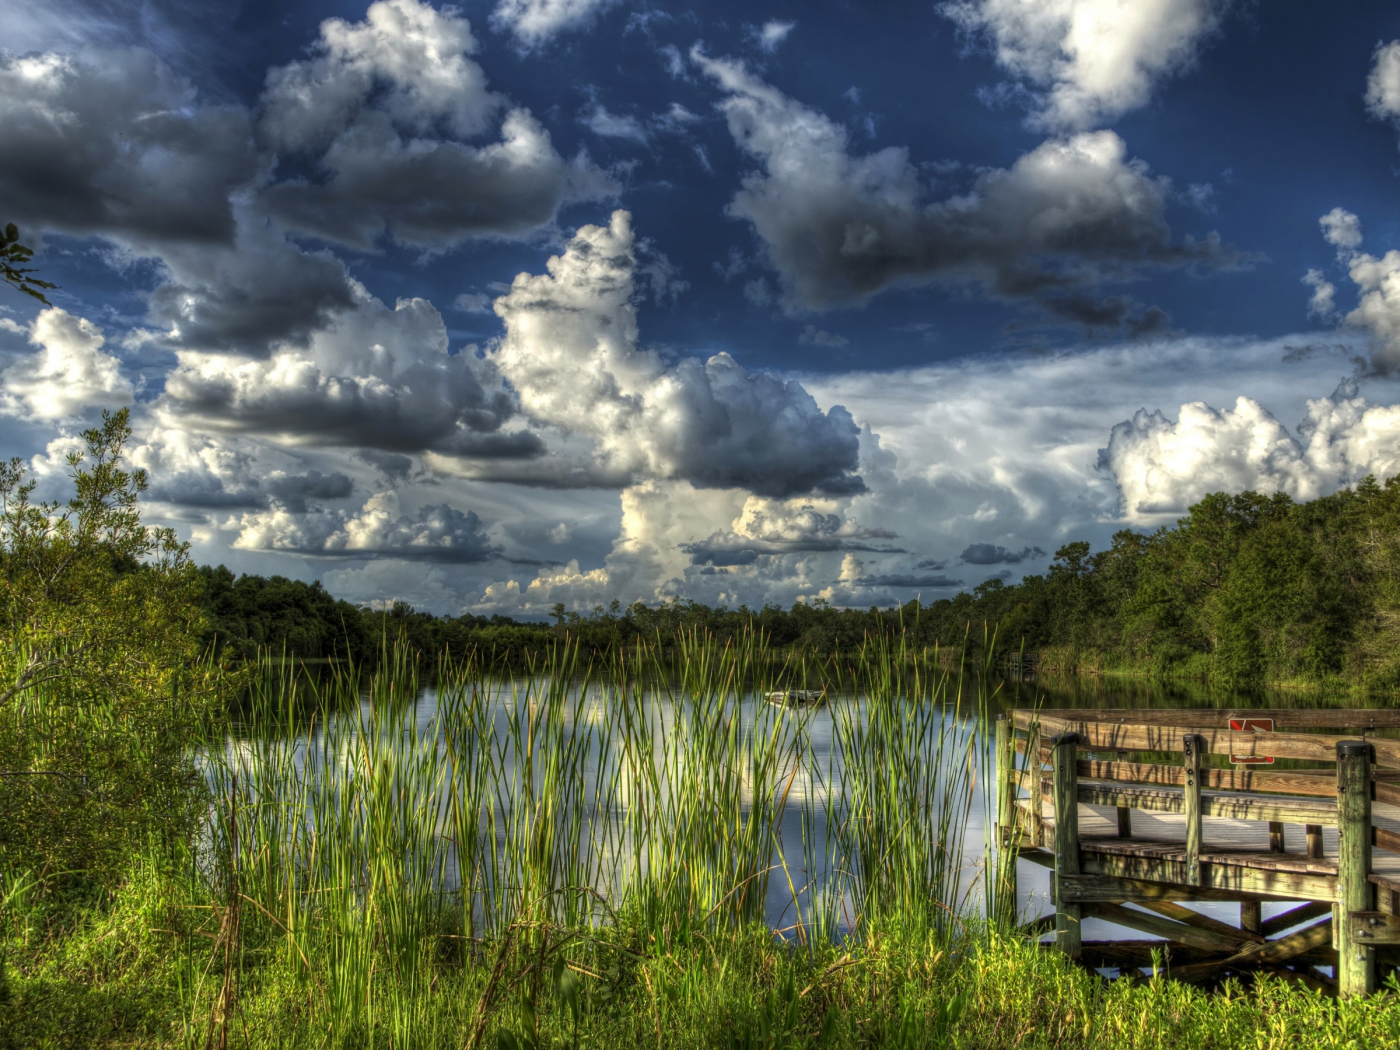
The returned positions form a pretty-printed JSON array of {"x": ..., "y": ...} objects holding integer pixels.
[
  {"x": 372, "y": 105},
  {"x": 840, "y": 228},
  {"x": 113, "y": 143},
  {"x": 990, "y": 554},
  {"x": 292, "y": 491},
  {"x": 251, "y": 298}
]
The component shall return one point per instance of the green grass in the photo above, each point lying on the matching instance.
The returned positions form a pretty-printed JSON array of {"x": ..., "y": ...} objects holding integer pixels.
[{"x": 592, "y": 856}]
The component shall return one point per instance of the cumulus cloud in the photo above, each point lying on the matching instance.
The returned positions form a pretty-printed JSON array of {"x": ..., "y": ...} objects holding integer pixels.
[
  {"x": 570, "y": 352},
  {"x": 415, "y": 55},
  {"x": 1091, "y": 60},
  {"x": 373, "y": 377},
  {"x": 534, "y": 22},
  {"x": 1162, "y": 467},
  {"x": 991, "y": 554},
  {"x": 437, "y": 533},
  {"x": 839, "y": 228},
  {"x": 374, "y": 105},
  {"x": 112, "y": 142},
  {"x": 1377, "y": 280},
  {"x": 68, "y": 376},
  {"x": 1383, "y": 84},
  {"x": 770, "y": 527}
]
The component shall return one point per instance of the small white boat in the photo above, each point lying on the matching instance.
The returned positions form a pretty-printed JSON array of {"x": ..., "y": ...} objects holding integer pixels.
[{"x": 798, "y": 697}]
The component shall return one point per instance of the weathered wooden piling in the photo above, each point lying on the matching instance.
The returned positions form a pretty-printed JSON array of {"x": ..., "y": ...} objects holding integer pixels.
[
  {"x": 1192, "y": 745},
  {"x": 1065, "y": 791},
  {"x": 1356, "y": 965}
]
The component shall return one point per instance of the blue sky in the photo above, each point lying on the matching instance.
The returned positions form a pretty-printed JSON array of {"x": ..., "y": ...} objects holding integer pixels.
[{"x": 497, "y": 305}]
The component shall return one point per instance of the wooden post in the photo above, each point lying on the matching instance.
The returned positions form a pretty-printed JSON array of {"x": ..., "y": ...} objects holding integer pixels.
[
  {"x": 1125, "y": 822},
  {"x": 1275, "y": 836},
  {"x": 1035, "y": 774},
  {"x": 1004, "y": 902},
  {"x": 1066, "y": 794},
  {"x": 1251, "y": 916},
  {"x": 1314, "y": 833},
  {"x": 1193, "y": 745},
  {"x": 1356, "y": 964}
]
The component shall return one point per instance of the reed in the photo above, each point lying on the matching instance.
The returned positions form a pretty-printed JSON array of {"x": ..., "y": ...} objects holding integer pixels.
[{"x": 649, "y": 793}]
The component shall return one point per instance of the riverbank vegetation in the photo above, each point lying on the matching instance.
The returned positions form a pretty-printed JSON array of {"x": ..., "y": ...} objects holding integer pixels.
[
  {"x": 1246, "y": 588},
  {"x": 616, "y": 850}
]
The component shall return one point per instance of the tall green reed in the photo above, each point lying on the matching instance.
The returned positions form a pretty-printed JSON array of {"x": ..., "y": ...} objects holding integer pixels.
[{"x": 381, "y": 836}]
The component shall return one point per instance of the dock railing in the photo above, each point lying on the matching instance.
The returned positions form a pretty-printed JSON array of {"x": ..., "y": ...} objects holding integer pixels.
[{"x": 1136, "y": 811}]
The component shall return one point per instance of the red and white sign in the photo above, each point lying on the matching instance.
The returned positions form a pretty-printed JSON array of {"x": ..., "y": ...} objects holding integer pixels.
[{"x": 1250, "y": 725}]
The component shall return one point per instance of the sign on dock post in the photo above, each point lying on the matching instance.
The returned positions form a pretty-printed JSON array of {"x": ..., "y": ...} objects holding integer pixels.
[{"x": 1250, "y": 725}]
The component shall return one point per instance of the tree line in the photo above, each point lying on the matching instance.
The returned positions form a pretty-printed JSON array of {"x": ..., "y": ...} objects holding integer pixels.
[{"x": 1246, "y": 587}]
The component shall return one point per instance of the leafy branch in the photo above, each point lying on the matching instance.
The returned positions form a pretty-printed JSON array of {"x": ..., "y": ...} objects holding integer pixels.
[{"x": 13, "y": 256}]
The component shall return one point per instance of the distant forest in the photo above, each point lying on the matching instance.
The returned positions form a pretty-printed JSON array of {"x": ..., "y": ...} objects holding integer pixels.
[{"x": 1244, "y": 588}]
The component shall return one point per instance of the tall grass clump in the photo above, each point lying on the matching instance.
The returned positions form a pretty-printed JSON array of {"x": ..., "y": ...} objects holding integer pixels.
[{"x": 368, "y": 838}]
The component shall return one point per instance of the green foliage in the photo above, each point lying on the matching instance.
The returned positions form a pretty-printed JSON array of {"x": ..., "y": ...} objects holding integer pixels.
[
  {"x": 13, "y": 272},
  {"x": 101, "y": 686},
  {"x": 1244, "y": 588}
]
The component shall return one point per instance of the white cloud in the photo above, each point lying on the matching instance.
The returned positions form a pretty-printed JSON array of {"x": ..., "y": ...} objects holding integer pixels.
[
  {"x": 1323, "y": 304},
  {"x": 1093, "y": 60},
  {"x": 772, "y": 35},
  {"x": 571, "y": 353},
  {"x": 1342, "y": 230},
  {"x": 1163, "y": 467},
  {"x": 433, "y": 533},
  {"x": 839, "y": 228},
  {"x": 68, "y": 377},
  {"x": 415, "y": 54},
  {"x": 1383, "y": 84},
  {"x": 613, "y": 125},
  {"x": 535, "y": 22}
]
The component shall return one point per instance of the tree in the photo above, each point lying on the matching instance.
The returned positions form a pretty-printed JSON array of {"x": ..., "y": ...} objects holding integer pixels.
[
  {"x": 13, "y": 256},
  {"x": 101, "y": 682}
]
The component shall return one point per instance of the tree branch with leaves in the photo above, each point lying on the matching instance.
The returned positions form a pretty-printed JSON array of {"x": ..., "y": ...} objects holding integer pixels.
[{"x": 13, "y": 256}]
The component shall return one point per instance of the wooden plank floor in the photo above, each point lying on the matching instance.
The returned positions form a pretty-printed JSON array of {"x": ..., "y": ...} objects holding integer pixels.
[{"x": 1098, "y": 825}]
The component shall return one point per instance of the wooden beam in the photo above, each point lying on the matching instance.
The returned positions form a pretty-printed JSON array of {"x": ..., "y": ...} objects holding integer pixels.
[
  {"x": 1179, "y": 932},
  {"x": 1294, "y": 917},
  {"x": 1101, "y": 736},
  {"x": 1373, "y": 928},
  {"x": 1283, "y": 718},
  {"x": 1266, "y": 954},
  {"x": 1276, "y": 841},
  {"x": 1251, "y": 917},
  {"x": 1169, "y": 910},
  {"x": 1265, "y": 883},
  {"x": 1277, "y": 809},
  {"x": 1112, "y": 889}
]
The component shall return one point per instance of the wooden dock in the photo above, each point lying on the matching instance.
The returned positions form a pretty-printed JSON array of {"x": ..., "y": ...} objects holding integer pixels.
[{"x": 1136, "y": 811}]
